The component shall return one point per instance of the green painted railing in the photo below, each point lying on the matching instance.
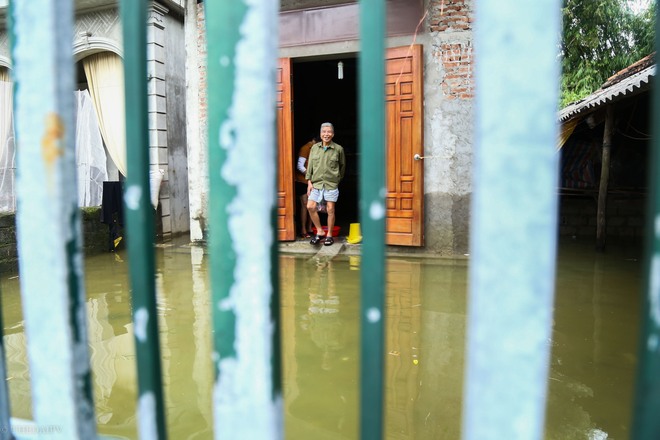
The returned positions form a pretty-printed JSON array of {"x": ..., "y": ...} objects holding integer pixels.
[
  {"x": 244, "y": 278},
  {"x": 241, "y": 123},
  {"x": 139, "y": 217},
  {"x": 371, "y": 120}
]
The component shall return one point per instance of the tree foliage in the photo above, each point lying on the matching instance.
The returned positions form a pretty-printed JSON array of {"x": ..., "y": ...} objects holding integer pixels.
[{"x": 599, "y": 38}]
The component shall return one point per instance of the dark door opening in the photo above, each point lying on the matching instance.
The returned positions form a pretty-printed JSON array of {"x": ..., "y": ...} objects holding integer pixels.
[{"x": 320, "y": 96}]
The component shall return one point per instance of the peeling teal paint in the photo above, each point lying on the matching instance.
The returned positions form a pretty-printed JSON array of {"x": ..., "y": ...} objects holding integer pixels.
[
  {"x": 50, "y": 255},
  {"x": 139, "y": 223}
]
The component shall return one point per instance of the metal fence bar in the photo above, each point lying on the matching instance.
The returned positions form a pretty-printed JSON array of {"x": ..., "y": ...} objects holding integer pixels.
[
  {"x": 50, "y": 256},
  {"x": 513, "y": 227},
  {"x": 139, "y": 222},
  {"x": 646, "y": 423},
  {"x": 242, "y": 53},
  {"x": 372, "y": 215}
]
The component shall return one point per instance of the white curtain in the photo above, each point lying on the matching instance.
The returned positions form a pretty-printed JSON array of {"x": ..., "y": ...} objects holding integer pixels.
[
  {"x": 7, "y": 168},
  {"x": 105, "y": 77},
  {"x": 90, "y": 155}
]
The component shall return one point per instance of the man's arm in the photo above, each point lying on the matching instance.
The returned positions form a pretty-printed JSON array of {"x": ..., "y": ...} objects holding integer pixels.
[
  {"x": 308, "y": 173},
  {"x": 301, "y": 164},
  {"x": 342, "y": 164}
]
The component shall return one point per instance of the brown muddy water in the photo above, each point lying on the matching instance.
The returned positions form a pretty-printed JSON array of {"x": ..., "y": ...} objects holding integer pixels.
[{"x": 592, "y": 370}]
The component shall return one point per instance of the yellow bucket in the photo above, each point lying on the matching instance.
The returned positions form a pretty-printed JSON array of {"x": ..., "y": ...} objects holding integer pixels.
[{"x": 354, "y": 234}]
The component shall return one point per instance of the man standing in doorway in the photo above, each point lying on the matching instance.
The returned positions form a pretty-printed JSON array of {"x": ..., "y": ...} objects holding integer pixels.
[{"x": 325, "y": 170}]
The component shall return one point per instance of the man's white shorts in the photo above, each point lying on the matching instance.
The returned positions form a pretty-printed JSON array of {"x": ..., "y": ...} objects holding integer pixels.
[{"x": 329, "y": 195}]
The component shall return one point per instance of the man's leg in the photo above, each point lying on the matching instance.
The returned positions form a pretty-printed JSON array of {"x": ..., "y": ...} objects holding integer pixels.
[
  {"x": 304, "y": 218},
  {"x": 314, "y": 215},
  {"x": 331, "y": 216}
]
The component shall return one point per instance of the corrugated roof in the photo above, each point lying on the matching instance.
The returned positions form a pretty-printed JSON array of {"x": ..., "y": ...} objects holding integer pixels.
[{"x": 629, "y": 81}]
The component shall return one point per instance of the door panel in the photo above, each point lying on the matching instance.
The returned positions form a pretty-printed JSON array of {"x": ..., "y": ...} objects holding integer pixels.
[
  {"x": 285, "y": 198},
  {"x": 405, "y": 123}
]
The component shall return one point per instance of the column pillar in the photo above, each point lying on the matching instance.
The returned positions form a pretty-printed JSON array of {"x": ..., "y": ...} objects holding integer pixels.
[{"x": 158, "y": 154}]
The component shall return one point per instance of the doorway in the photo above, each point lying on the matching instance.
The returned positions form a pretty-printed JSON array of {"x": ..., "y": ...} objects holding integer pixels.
[{"x": 319, "y": 96}]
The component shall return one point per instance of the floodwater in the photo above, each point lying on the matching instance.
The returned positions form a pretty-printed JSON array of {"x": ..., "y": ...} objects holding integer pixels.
[{"x": 592, "y": 370}]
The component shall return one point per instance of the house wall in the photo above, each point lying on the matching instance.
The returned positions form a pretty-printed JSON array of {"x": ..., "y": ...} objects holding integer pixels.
[
  {"x": 98, "y": 30},
  {"x": 446, "y": 36}
]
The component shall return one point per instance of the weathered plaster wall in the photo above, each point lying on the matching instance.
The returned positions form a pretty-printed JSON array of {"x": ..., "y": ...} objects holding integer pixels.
[
  {"x": 196, "y": 116},
  {"x": 449, "y": 121},
  {"x": 175, "y": 83}
]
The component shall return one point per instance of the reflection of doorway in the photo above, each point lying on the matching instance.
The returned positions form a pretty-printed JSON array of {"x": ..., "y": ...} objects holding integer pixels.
[{"x": 320, "y": 96}]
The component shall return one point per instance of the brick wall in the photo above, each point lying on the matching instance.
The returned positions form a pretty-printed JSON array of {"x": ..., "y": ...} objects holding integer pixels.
[
  {"x": 95, "y": 237},
  {"x": 625, "y": 217},
  {"x": 452, "y": 21},
  {"x": 450, "y": 15}
]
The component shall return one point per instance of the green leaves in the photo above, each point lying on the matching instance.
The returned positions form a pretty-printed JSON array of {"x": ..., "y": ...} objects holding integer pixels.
[{"x": 599, "y": 38}]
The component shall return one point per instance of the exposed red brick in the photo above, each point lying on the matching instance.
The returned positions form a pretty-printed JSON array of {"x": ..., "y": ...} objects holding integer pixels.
[{"x": 450, "y": 15}]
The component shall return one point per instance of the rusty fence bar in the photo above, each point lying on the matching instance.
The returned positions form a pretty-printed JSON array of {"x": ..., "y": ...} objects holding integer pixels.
[
  {"x": 513, "y": 226},
  {"x": 50, "y": 256},
  {"x": 242, "y": 53}
]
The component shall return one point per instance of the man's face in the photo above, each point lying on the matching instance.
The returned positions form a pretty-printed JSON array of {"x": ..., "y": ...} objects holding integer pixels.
[{"x": 327, "y": 134}]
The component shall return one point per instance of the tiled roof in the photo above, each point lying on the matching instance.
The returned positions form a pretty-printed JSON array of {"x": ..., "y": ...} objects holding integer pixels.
[{"x": 630, "y": 81}]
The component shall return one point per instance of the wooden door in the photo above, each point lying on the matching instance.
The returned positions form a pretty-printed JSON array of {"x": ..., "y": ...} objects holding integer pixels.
[
  {"x": 286, "y": 203},
  {"x": 405, "y": 122}
]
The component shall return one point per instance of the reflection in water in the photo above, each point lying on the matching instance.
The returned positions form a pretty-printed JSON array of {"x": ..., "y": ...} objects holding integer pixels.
[
  {"x": 591, "y": 374},
  {"x": 320, "y": 351},
  {"x": 323, "y": 320}
]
